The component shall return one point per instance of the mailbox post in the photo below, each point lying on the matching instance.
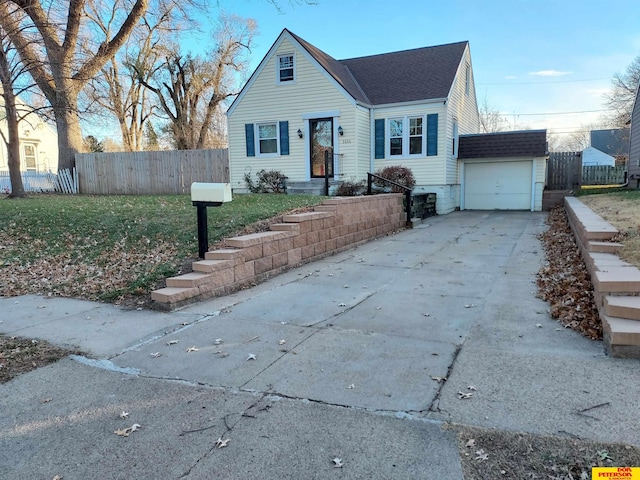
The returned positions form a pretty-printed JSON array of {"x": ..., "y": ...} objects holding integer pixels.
[{"x": 205, "y": 195}]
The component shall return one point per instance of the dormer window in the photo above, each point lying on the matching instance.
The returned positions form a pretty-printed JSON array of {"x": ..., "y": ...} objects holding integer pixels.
[{"x": 285, "y": 68}]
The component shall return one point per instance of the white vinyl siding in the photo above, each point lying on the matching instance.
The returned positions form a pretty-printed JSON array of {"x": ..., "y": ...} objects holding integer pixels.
[
  {"x": 427, "y": 170},
  {"x": 462, "y": 110},
  {"x": 264, "y": 101}
]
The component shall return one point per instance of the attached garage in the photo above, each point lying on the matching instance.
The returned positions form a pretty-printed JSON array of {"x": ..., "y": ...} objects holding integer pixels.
[{"x": 503, "y": 171}]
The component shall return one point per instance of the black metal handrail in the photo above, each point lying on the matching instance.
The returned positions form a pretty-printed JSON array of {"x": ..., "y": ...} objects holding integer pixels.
[{"x": 407, "y": 193}]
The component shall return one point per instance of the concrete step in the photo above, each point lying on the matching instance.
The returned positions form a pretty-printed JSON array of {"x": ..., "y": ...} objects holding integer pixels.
[
  {"x": 621, "y": 337},
  {"x": 604, "y": 247},
  {"x": 622, "y": 307},
  {"x": 624, "y": 280}
]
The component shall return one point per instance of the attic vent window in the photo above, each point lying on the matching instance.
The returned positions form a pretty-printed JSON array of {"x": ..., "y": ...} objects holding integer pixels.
[{"x": 285, "y": 68}]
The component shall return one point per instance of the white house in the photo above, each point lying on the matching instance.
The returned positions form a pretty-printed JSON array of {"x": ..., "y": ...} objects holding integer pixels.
[
  {"x": 401, "y": 108},
  {"x": 38, "y": 142},
  {"x": 592, "y": 156}
]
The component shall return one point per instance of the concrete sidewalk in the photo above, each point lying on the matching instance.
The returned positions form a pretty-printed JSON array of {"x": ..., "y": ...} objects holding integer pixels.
[{"x": 335, "y": 359}]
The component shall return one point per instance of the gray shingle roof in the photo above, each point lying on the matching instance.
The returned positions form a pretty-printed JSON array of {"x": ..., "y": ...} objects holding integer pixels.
[
  {"x": 526, "y": 143},
  {"x": 408, "y": 75}
]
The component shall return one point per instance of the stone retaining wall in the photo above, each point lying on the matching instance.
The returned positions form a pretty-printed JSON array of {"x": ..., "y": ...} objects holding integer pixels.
[
  {"x": 616, "y": 283},
  {"x": 335, "y": 225}
]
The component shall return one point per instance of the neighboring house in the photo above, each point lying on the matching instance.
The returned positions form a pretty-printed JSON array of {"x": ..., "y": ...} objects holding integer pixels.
[
  {"x": 634, "y": 144},
  {"x": 503, "y": 171},
  {"x": 401, "y": 108},
  {"x": 38, "y": 142},
  {"x": 592, "y": 156},
  {"x": 612, "y": 141}
]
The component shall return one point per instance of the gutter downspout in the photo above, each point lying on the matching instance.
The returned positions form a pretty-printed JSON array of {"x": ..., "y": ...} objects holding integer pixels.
[{"x": 372, "y": 139}]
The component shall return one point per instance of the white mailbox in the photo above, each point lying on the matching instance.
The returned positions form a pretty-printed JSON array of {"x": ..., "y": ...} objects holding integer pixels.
[{"x": 211, "y": 192}]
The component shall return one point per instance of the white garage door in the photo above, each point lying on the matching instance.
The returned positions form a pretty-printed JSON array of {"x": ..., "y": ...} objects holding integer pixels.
[{"x": 497, "y": 186}]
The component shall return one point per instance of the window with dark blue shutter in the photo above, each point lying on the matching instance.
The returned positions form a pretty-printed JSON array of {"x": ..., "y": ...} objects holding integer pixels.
[
  {"x": 250, "y": 140},
  {"x": 284, "y": 138},
  {"x": 432, "y": 134},
  {"x": 379, "y": 138}
]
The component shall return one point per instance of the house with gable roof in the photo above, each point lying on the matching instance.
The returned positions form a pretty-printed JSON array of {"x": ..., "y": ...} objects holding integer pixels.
[{"x": 401, "y": 108}]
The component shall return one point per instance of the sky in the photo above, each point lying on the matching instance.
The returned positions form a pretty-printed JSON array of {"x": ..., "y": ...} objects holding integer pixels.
[{"x": 533, "y": 60}]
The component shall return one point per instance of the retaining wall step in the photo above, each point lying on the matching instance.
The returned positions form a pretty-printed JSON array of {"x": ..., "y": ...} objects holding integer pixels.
[
  {"x": 189, "y": 280},
  {"x": 174, "y": 295},
  {"x": 223, "y": 254},
  {"x": 604, "y": 247},
  {"x": 255, "y": 239},
  {"x": 622, "y": 307},
  {"x": 617, "y": 280},
  {"x": 210, "y": 266},
  {"x": 621, "y": 331}
]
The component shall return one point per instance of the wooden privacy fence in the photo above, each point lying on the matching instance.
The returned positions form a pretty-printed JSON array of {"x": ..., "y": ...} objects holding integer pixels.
[
  {"x": 564, "y": 170},
  {"x": 150, "y": 173},
  {"x": 604, "y": 175}
]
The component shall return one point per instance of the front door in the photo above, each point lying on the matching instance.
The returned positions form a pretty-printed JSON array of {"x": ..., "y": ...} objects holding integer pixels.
[{"x": 321, "y": 139}]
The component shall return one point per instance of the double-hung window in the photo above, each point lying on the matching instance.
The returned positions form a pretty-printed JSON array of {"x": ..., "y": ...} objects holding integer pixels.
[
  {"x": 406, "y": 136},
  {"x": 267, "y": 138},
  {"x": 286, "y": 68}
]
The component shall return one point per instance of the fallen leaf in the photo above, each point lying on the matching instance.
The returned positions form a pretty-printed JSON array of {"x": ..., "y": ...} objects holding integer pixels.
[
  {"x": 124, "y": 414},
  {"x": 352, "y": 386},
  {"x": 464, "y": 396},
  {"x": 221, "y": 354},
  {"x": 426, "y": 314},
  {"x": 378, "y": 308},
  {"x": 439, "y": 379},
  {"x": 57, "y": 477},
  {"x": 337, "y": 462},
  {"x": 470, "y": 443},
  {"x": 192, "y": 349},
  {"x": 538, "y": 325},
  {"x": 282, "y": 342},
  {"x": 342, "y": 304},
  {"x": 46, "y": 400},
  {"x": 482, "y": 456},
  {"x": 470, "y": 305},
  {"x": 155, "y": 355},
  {"x": 471, "y": 387},
  {"x": 218, "y": 341},
  {"x": 251, "y": 356},
  {"x": 125, "y": 432},
  {"x": 172, "y": 342},
  {"x": 220, "y": 443}
]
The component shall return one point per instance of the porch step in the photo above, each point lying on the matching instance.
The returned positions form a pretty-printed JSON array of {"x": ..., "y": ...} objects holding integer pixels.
[
  {"x": 604, "y": 247},
  {"x": 622, "y": 307},
  {"x": 621, "y": 337}
]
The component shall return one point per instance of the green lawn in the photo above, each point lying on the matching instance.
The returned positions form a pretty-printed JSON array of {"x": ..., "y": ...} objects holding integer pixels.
[{"x": 113, "y": 247}]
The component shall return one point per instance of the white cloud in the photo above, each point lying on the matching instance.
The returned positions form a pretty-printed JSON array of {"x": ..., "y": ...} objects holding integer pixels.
[
  {"x": 510, "y": 77},
  {"x": 549, "y": 73}
]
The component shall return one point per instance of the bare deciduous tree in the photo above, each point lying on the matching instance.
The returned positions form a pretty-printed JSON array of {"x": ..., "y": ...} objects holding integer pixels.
[
  {"x": 57, "y": 63},
  {"x": 622, "y": 95},
  {"x": 192, "y": 89},
  {"x": 491, "y": 119}
]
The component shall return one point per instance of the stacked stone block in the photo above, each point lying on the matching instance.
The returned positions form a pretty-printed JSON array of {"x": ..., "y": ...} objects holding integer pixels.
[{"x": 616, "y": 283}]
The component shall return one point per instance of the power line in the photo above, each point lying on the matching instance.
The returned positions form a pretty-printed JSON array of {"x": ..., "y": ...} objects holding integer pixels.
[{"x": 546, "y": 83}]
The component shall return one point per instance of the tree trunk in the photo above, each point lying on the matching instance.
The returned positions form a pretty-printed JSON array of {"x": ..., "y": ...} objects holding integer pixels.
[
  {"x": 69, "y": 134},
  {"x": 13, "y": 137}
]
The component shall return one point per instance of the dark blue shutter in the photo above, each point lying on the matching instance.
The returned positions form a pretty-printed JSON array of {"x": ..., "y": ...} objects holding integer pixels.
[
  {"x": 284, "y": 138},
  {"x": 251, "y": 146},
  {"x": 432, "y": 134},
  {"x": 379, "y": 132}
]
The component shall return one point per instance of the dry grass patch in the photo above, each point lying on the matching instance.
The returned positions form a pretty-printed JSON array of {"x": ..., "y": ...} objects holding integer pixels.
[{"x": 622, "y": 210}]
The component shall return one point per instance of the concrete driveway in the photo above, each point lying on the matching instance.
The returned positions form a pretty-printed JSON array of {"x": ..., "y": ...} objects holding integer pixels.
[{"x": 342, "y": 358}]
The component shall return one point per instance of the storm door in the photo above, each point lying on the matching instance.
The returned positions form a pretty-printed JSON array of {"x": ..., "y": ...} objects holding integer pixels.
[{"x": 321, "y": 139}]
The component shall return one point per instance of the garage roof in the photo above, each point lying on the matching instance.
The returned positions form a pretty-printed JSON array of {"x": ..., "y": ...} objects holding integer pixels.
[{"x": 525, "y": 143}]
